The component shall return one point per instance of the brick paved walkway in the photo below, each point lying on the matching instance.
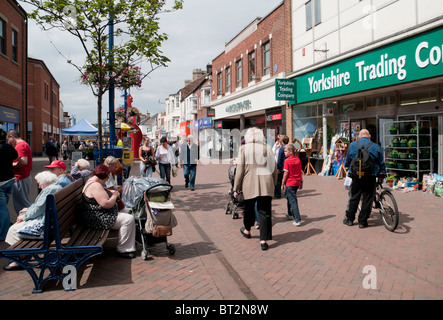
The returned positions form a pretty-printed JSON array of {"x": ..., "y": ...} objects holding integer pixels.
[{"x": 321, "y": 259}]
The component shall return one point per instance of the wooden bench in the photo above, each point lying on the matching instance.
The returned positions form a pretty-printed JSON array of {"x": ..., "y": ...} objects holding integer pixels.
[{"x": 52, "y": 254}]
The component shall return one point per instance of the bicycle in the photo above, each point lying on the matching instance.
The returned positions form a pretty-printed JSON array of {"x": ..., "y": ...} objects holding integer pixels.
[{"x": 385, "y": 202}]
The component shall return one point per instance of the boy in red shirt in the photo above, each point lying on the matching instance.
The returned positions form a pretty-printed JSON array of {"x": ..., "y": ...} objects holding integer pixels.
[{"x": 292, "y": 180}]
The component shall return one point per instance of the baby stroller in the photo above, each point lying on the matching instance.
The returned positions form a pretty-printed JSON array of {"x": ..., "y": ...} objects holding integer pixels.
[
  {"x": 234, "y": 204},
  {"x": 151, "y": 207}
]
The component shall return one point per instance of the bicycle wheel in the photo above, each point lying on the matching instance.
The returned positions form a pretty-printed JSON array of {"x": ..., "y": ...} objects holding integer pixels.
[{"x": 389, "y": 210}]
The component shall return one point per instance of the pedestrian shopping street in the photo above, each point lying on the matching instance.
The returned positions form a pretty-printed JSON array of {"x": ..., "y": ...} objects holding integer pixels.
[{"x": 321, "y": 259}]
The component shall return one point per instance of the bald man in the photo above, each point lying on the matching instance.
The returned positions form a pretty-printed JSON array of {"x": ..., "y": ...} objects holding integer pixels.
[{"x": 365, "y": 186}]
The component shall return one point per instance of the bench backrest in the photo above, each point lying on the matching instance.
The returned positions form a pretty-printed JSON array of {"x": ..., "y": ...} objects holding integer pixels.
[
  {"x": 61, "y": 212},
  {"x": 68, "y": 201}
]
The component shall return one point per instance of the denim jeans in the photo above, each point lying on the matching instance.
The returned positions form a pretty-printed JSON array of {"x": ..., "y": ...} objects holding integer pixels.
[
  {"x": 20, "y": 194},
  {"x": 291, "y": 197},
  {"x": 148, "y": 172},
  {"x": 5, "y": 221},
  {"x": 165, "y": 171},
  {"x": 189, "y": 171}
]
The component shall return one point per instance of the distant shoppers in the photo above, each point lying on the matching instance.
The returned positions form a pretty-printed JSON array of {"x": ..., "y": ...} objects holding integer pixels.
[
  {"x": 80, "y": 169},
  {"x": 210, "y": 147},
  {"x": 256, "y": 176},
  {"x": 7, "y": 156},
  {"x": 22, "y": 171},
  {"x": 147, "y": 157},
  {"x": 71, "y": 149},
  {"x": 188, "y": 160},
  {"x": 58, "y": 167},
  {"x": 51, "y": 150},
  {"x": 64, "y": 149},
  {"x": 166, "y": 159},
  {"x": 292, "y": 181}
]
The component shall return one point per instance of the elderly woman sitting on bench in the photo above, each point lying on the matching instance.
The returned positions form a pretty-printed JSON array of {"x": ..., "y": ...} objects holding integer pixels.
[{"x": 30, "y": 222}]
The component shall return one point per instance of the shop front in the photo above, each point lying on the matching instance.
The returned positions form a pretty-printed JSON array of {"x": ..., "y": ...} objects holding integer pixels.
[
  {"x": 249, "y": 108},
  {"x": 401, "y": 82}
]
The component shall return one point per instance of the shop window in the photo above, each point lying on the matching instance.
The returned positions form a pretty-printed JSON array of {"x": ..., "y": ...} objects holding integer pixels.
[
  {"x": 351, "y": 105},
  {"x": 14, "y": 45},
  {"x": 417, "y": 96},
  {"x": 238, "y": 68},
  {"x": 2, "y": 36},
  {"x": 384, "y": 101},
  {"x": 306, "y": 111},
  {"x": 228, "y": 79},
  {"x": 441, "y": 92},
  {"x": 267, "y": 58},
  {"x": 251, "y": 69}
]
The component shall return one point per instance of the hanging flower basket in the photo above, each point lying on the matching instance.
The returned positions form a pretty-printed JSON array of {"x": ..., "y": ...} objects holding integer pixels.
[
  {"x": 131, "y": 111},
  {"x": 124, "y": 78}
]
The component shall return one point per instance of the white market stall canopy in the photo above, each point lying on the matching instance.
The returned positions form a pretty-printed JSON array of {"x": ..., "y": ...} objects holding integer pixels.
[{"x": 82, "y": 128}]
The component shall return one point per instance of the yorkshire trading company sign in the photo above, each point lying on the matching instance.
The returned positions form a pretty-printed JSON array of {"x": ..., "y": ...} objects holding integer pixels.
[{"x": 415, "y": 58}]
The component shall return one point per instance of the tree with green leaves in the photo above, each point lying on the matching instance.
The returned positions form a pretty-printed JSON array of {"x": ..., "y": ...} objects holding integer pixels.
[{"x": 135, "y": 54}]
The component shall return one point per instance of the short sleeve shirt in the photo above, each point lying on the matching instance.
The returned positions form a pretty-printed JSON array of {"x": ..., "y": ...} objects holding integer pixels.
[
  {"x": 293, "y": 167},
  {"x": 23, "y": 150}
]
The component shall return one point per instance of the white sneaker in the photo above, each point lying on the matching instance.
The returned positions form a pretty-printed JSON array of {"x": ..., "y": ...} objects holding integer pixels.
[
  {"x": 296, "y": 223},
  {"x": 289, "y": 216}
]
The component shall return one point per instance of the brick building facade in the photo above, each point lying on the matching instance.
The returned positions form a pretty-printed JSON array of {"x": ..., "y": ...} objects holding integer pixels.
[
  {"x": 13, "y": 62},
  {"x": 243, "y": 76},
  {"x": 43, "y": 105}
]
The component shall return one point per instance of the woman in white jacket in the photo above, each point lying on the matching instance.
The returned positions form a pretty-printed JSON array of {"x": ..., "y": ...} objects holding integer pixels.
[{"x": 166, "y": 159}]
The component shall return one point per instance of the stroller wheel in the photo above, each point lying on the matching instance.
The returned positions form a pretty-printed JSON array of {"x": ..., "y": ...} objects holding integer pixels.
[
  {"x": 228, "y": 208},
  {"x": 171, "y": 249},
  {"x": 144, "y": 254},
  {"x": 235, "y": 214}
]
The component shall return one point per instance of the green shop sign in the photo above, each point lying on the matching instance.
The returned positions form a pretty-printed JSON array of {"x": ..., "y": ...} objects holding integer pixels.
[{"x": 415, "y": 58}]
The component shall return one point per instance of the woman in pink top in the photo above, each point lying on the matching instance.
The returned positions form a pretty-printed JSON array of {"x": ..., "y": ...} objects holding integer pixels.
[{"x": 292, "y": 181}]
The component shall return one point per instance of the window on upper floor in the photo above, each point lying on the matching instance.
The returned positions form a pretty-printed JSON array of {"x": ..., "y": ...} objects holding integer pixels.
[
  {"x": 14, "y": 45},
  {"x": 46, "y": 91},
  {"x": 228, "y": 79},
  {"x": 313, "y": 13},
  {"x": 251, "y": 69},
  {"x": 267, "y": 58},
  {"x": 239, "y": 73},
  {"x": 219, "y": 83},
  {"x": 2, "y": 36}
]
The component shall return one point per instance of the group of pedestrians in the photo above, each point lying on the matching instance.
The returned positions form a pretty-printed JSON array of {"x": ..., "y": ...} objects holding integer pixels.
[
  {"x": 168, "y": 157},
  {"x": 263, "y": 173}
]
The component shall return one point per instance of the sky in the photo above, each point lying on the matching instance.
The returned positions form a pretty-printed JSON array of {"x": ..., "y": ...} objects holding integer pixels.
[{"x": 197, "y": 34}]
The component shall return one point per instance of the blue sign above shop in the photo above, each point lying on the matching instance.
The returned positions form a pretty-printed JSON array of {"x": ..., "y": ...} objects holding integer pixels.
[
  {"x": 204, "y": 123},
  {"x": 9, "y": 115}
]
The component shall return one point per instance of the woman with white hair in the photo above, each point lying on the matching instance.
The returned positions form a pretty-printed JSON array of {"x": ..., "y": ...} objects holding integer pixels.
[
  {"x": 30, "y": 222},
  {"x": 80, "y": 169},
  {"x": 255, "y": 177}
]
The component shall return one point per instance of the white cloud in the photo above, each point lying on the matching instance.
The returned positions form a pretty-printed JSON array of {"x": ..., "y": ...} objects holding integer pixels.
[{"x": 197, "y": 34}]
